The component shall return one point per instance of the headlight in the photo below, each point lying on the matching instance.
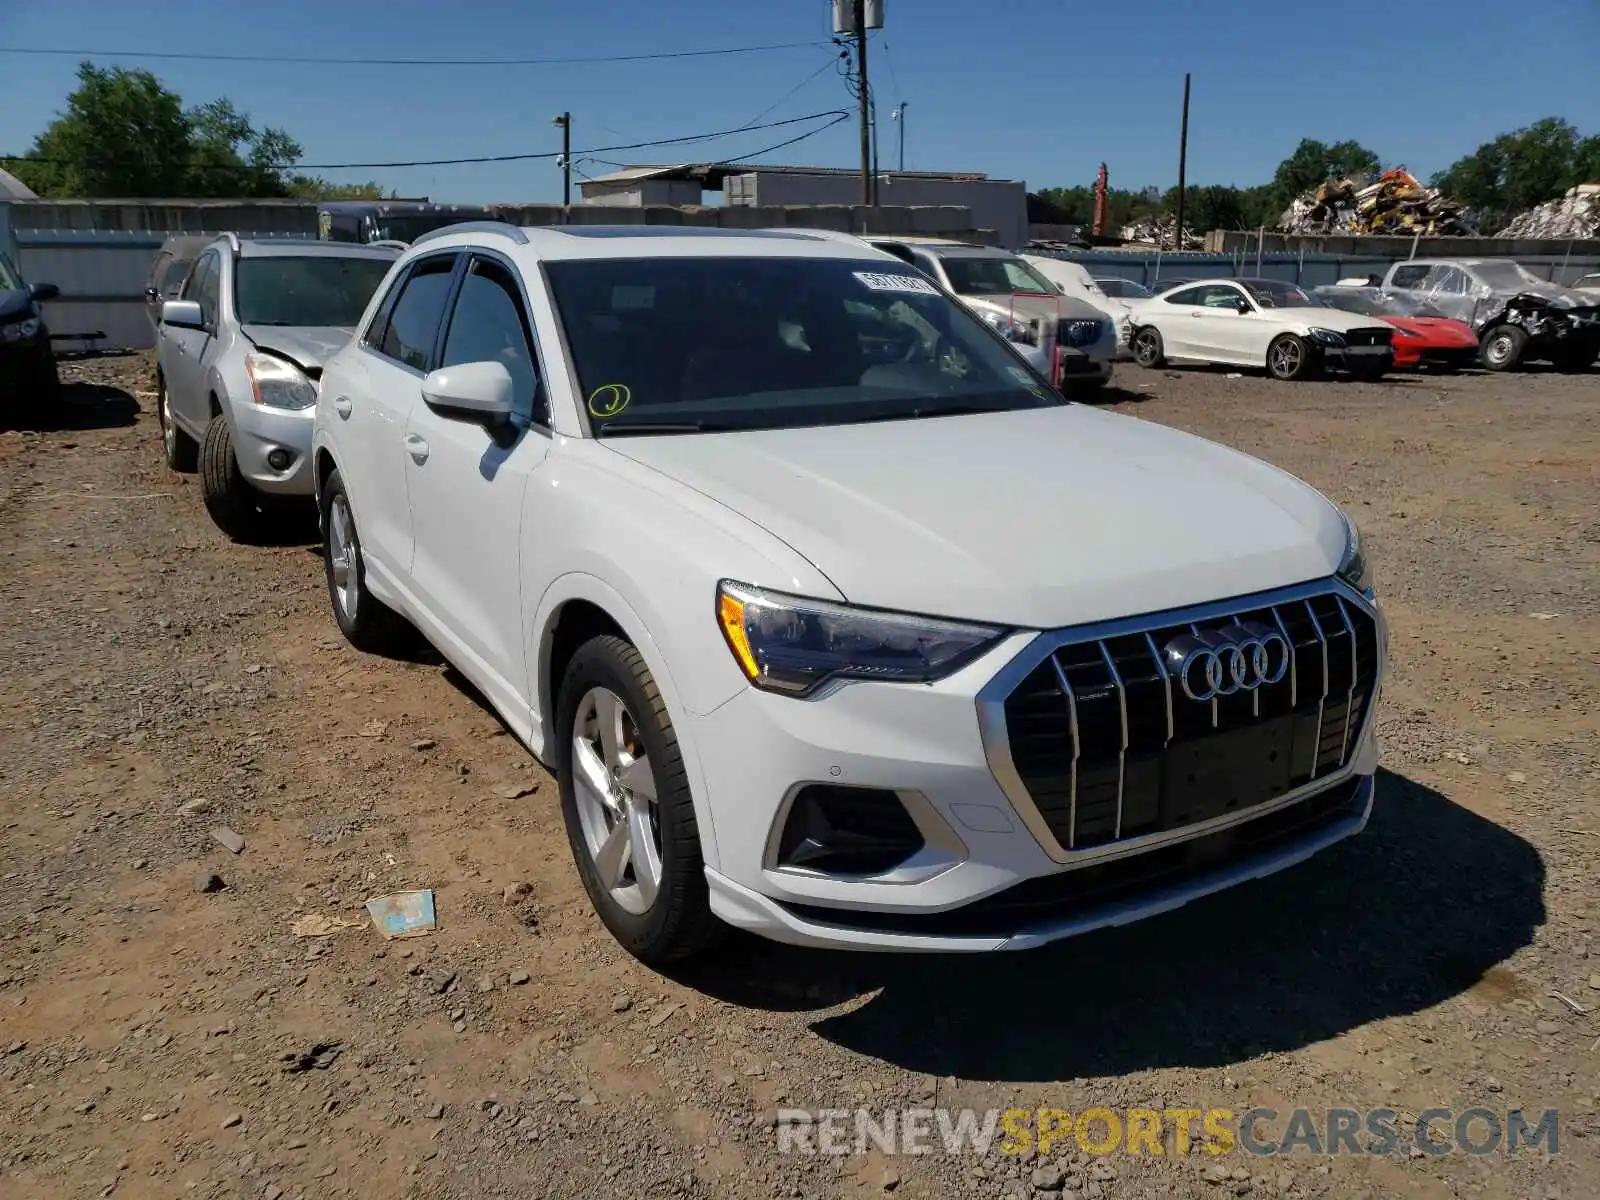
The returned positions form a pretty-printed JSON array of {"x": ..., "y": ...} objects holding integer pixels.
[
  {"x": 20, "y": 331},
  {"x": 1328, "y": 337},
  {"x": 793, "y": 645},
  {"x": 279, "y": 384},
  {"x": 1353, "y": 568},
  {"x": 1401, "y": 332},
  {"x": 1011, "y": 330}
]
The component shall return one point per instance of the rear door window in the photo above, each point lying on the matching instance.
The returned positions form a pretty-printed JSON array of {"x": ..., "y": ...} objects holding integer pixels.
[{"x": 1409, "y": 277}]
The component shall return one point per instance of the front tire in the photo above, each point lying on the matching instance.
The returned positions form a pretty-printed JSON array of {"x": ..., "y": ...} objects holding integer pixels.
[
  {"x": 625, "y": 799},
  {"x": 234, "y": 505},
  {"x": 1502, "y": 348},
  {"x": 366, "y": 622},
  {"x": 1147, "y": 348},
  {"x": 180, "y": 451},
  {"x": 1289, "y": 359}
]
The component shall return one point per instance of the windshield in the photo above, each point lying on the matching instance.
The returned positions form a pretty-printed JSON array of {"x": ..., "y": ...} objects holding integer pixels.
[
  {"x": 408, "y": 228},
  {"x": 10, "y": 281},
  {"x": 325, "y": 289},
  {"x": 1505, "y": 274},
  {"x": 1122, "y": 289},
  {"x": 682, "y": 345},
  {"x": 994, "y": 276},
  {"x": 1269, "y": 293}
]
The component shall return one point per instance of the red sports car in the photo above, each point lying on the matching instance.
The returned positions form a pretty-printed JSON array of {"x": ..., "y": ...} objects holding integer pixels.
[{"x": 1424, "y": 336}]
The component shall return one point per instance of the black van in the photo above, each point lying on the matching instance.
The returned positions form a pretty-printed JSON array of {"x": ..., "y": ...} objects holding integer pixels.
[{"x": 369, "y": 221}]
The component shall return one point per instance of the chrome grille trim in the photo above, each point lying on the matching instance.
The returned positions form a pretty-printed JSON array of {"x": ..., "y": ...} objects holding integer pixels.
[
  {"x": 1072, "y": 722},
  {"x": 1045, "y": 646},
  {"x": 1355, "y": 678},
  {"x": 1122, "y": 753}
]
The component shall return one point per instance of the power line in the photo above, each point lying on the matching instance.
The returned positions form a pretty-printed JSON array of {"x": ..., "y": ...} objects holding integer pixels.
[
  {"x": 484, "y": 158},
  {"x": 407, "y": 62},
  {"x": 781, "y": 100},
  {"x": 844, "y": 116}
]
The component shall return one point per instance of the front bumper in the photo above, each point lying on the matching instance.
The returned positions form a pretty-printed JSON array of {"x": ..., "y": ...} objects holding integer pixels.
[
  {"x": 1358, "y": 360},
  {"x": 259, "y": 432},
  {"x": 989, "y": 875}
]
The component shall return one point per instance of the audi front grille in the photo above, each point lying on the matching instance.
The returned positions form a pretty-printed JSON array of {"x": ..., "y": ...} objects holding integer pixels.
[{"x": 1152, "y": 725}]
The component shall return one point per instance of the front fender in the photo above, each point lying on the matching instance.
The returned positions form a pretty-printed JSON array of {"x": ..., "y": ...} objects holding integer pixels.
[{"x": 579, "y": 585}]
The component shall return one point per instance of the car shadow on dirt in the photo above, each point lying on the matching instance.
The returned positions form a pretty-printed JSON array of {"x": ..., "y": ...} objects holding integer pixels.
[
  {"x": 1410, "y": 913},
  {"x": 80, "y": 406}
]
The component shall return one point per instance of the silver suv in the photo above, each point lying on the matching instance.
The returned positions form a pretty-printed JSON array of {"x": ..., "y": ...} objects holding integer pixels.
[{"x": 238, "y": 358}]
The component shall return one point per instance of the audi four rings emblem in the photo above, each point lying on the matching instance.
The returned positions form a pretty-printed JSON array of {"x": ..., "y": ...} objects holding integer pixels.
[{"x": 1220, "y": 662}]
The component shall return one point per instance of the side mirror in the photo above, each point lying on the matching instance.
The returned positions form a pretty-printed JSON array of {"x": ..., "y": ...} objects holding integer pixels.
[
  {"x": 44, "y": 291},
  {"x": 477, "y": 391},
  {"x": 151, "y": 295},
  {"x": 185, "y": 314},
  {"x": 1242, "y": 307}
]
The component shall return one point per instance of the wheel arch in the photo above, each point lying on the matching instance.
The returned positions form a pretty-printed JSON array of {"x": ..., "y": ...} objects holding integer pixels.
[{"x": 579, "y": 606}]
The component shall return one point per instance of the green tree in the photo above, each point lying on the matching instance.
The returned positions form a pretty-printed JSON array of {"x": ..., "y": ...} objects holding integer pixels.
[
  {"x": 312, "y": 187},
  {"x": 1518, "y": 170},
  {"x": 124, "y": 134},
  {"x": 1313, "y": 164}
]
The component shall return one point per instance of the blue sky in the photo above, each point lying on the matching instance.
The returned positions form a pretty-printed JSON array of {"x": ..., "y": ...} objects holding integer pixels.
[{"x": 1041, "y": 90}]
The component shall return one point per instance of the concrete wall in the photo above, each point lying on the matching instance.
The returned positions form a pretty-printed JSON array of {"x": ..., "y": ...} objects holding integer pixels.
[{"x": 997, "y": 204}]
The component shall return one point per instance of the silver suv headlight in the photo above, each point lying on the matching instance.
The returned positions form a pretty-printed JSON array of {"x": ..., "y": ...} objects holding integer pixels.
[
  {"x": 277, "y": 383},
  {"x": 1353, "y": 567},
  {"x": 793, "y": 645}
]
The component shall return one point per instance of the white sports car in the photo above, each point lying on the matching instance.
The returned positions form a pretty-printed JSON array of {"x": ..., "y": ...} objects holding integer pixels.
[{"x": 1258, "y": 323}]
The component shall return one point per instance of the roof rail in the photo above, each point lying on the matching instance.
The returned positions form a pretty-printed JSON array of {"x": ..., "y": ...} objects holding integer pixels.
[
  {"x": 830, "y": 235},
  {"x": 390, "y": 244},
  {"x": 504, "y": 228}
]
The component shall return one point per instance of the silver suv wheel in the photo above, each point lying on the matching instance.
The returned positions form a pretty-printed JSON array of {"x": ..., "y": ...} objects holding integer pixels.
[
  {"x": 341, "y": 557},
  {"x": 616, "y": 797}
]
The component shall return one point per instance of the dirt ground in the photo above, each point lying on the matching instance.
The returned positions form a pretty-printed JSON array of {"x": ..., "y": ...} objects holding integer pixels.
[{"x": 159, "y": 1040}]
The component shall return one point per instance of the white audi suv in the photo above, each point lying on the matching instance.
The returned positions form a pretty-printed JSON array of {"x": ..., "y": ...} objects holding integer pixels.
[{"x": 834, "y": 620}]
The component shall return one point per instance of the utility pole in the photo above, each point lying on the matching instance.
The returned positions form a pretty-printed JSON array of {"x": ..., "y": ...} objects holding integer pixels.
[
  {"x": 565, "y": 121},
  {"x": 900, "y": 120},
  {"x": 1183, "y": 160},
  {"x": 858, "y": 15}
]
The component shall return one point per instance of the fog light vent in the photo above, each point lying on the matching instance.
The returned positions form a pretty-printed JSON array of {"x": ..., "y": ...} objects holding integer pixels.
[{"x": 847, "y": 831}]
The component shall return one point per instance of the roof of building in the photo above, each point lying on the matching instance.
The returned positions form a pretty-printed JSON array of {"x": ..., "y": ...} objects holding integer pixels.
[
  {"x": 12, "y": 188},
  {"x": 711, "y": 175}
]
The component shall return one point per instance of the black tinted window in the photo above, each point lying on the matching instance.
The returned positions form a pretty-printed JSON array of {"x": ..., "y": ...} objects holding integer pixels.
[
  {"x": 322, "y": 290},
  {"x": 761, "y": 343},
  {"x": 172, "y": 277},
  {"x": 414, "y": 320},
  {"x": 202, "y": 287},
  {"x": 1194, "y": 295},
  {"x": 488, "y": 325}
]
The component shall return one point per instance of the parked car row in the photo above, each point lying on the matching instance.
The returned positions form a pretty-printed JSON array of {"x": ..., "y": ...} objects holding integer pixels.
[{"x": 785, "y": 555}]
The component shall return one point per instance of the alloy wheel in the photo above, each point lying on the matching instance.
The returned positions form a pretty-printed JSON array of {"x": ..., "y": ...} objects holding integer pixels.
[
  {"x": 615, "y": 789},
  {"x": 1286, "y": 358},
  {"x": 169, "y": 431},
  {"x": 342, "y": 556}
]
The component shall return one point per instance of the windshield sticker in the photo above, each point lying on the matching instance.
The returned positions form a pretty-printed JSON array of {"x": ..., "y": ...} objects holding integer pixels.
[
  {"x": 1022, "y": 377},
  {"x": 609, "y": 399},
  {"x": 896, "y": 283}
]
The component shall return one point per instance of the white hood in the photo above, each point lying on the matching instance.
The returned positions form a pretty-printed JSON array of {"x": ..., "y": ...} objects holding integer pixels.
[{"x": 1039, "y": 518}]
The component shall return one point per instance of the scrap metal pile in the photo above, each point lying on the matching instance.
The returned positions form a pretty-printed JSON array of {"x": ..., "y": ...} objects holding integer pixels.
[
  {"x": 1395, "y": 203},
  {"x": 1160, "y": 231},
  {"x": 1575, "y": 215}
]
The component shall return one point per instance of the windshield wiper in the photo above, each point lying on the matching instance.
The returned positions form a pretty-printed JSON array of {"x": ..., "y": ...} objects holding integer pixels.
[
  {"x": 954, "y": 408},
  {"x": 624, "y": 428}
]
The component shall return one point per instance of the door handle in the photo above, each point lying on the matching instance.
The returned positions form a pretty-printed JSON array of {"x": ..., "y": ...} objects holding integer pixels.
[
  {"x": 342, "y": 406},
  {"x": 417, "y": 448}
]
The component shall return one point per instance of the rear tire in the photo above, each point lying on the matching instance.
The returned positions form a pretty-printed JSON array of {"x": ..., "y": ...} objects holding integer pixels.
[
  {"x": 366, "y": 622},
  {"x": 1147, "y": 347},
  {"x": 651, "y": 896},
  {"x": 180, "y": 451},
  {"x": 1289, "y": 359},
  {"x": 1502, "y": 347}
]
